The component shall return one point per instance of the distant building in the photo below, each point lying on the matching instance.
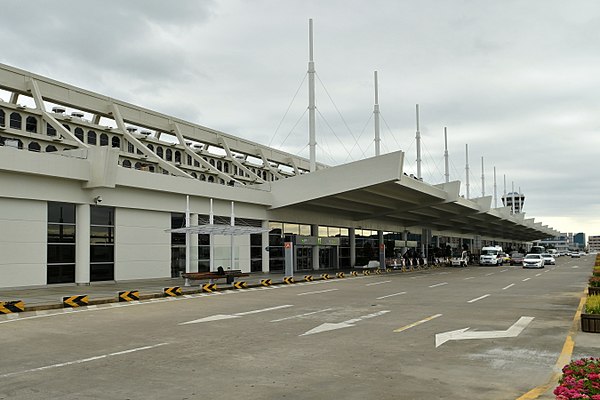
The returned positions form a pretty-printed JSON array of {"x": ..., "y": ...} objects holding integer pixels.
[
  {"x": 579, "y": 240},
  {"x": 515, "y": 201},
  {"x": 560, "y": 243},
  {"x": 594, "y": 244}
]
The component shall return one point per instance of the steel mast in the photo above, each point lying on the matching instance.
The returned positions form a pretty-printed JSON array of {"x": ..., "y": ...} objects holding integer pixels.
[{"x": 312, "y": 142}]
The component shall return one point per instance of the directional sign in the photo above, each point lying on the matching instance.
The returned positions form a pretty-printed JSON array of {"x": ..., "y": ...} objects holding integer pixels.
[
  {"x": 346, "y": 324},
  {"x": 463, "y": 334}
]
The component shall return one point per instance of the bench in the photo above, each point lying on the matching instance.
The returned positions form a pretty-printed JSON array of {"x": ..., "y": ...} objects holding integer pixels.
[{"x": 229, "y": 275}]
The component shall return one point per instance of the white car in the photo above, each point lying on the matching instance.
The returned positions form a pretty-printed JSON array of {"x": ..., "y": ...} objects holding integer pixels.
[
  {"x": 548, "y": 259},
  {"x": 533, "y": 261},
  {"x": 460, "y": 259},
  {"x": 575, "y": 254}
]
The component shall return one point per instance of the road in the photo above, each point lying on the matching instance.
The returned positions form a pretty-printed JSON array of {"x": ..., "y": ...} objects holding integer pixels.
[{"x": 449, "y": 333}]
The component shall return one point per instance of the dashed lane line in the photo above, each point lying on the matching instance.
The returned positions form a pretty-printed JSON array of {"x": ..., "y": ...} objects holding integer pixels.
[
  {"x": 478, "y": 298},
  {"x": 377, "y": 283},
  {"x": 81, "y": 361},
  {"x": 391, "y": 295},
  {"x": 438, "y": 284},
  {"x": 316, "y": 292},
  {"x": 508, "y": 287}
]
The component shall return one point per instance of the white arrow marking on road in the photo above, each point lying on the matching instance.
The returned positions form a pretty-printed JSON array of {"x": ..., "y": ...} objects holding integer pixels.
[
  {"x": 462, "y": 334},
  {"x": 346, "y": 324},
  {"x": 220, "y": 317}
]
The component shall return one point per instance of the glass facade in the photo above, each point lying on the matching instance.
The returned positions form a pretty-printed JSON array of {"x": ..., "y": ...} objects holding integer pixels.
[
  {"x": 61, "y": 243},
  {"x": 177, "y": 245},
  {"x": 102, "y": 243}
]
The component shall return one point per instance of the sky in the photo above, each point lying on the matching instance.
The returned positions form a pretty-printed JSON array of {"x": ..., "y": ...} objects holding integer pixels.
[{"x": 516, "y": 81}]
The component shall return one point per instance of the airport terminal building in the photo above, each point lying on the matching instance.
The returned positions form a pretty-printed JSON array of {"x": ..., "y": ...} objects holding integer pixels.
[{"x": 91, "y": 188}]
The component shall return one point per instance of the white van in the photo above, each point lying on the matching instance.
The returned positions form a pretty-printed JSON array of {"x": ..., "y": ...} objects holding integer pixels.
[{"x": 491, "y": 256}]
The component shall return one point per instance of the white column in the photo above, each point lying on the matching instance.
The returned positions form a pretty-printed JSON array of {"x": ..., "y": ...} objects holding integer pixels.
[
  {"x": 265, "y": 244},
  {"x": 315, "y": 256},
  {"x": 82, "y": 246},
  {"x": 193, "y": 245},
  {"x": 352, "y": 239}
]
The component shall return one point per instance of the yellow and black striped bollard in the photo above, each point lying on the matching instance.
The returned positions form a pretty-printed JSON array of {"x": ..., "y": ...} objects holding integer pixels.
[
  {"x": 75, "y": 301},
  {"x": 131, "y": 295},
  {"x": 172, "y": 291},
  {"x": 266, "y": 282},
  {"x": 209, "y": 287},
  {"x": 9, "y": 307}
]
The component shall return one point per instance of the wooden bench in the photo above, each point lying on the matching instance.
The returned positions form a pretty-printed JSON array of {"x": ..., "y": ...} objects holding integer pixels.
[{"x": 229, "y": 275}]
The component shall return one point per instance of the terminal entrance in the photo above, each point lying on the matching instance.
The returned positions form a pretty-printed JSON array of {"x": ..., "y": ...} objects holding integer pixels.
[
  {"x": 303, "y": 258},
  {"x": 328, "y": 257}
]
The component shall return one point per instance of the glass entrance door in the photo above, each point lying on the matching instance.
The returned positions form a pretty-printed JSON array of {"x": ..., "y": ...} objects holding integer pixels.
[
  {"x": 328, "y": 257},
  {"x": 303, "y": 258}
]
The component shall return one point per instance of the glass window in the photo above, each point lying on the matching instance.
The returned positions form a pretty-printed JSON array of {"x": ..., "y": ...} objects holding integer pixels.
[
  {"x": 102, "y": 272},
  {"x": 102, "y": 253},
  {"x": 127, "y": 163},
  {"x": 291, "y": 229},
  {"x": 50, "y": 149},
  {"x": 31, "y": 124},
  {"x": 60, "y": 274},
  {"x": 58, "y": 233},
  {"x": 103, "y": 139},
  {"x": 15, "y": 120},
  {"x": 169, "y": 155},
  {"x": 50, "y": 131},
  {"x": 91, "y": 137},
  {"x": 178, "y": 156},
  {"x": 102, "y": 215},
  {"x": 62, "y": 213},
  {"x": 34, "y": 146},
  {"x": 102, "y": 234},
  {"x": 159, "y": 152},
  {"x": 116, "y": 142},
  {"x": 61, "y": 253},
  {"x": 79, "y": 134},
  {"x": 2, "y": 118}
]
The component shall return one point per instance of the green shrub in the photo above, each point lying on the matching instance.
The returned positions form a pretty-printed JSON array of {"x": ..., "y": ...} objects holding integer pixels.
[
  {"x": 592, "y": 305},
  {"x": 594, "y": 281}
]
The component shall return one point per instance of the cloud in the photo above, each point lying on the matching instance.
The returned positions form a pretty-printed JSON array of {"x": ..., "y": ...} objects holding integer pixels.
[{"x": 515, "y": 80}]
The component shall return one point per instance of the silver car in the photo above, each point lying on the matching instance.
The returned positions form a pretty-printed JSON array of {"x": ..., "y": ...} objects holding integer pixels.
[{"x": 533, "y": 261}]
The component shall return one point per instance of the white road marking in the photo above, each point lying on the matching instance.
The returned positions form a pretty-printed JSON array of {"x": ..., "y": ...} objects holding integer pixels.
[
  {"x": 462, "y": 334},
  {"x": 526, "y": 279},
  {"x": 438, "y": 284},
  {"x": 84, "y": 360},
  {"x": 417, "y": 323},
  {"x": 316, "y": 292},
  {"x": 575, "y": 266},
  {"x": 478, "y": 298},
  {"x": 504, "y": 270},
  {"x": 346, "y": 324},
  {"x": 470, "y": 277},
  {"x": 391, "y": 295},
  {"x": 301, "y": 315},
  {"x": 219, "y": 317},
  {"x": 509, "y": 286},
  {"x": 538, "y": 274},
  {"x": 490, "y": 274},
  {"x": 377, "y": 283}
]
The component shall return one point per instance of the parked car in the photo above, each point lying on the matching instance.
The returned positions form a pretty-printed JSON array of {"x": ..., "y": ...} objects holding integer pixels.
[
  {"x": 516, "y": 258},
  {"x": 505, "y": 257},
  {"x": 575, "y": 254},
  {"x": 460, "y": 259},
  {"x": 548, "y": 259},
  {"x": 533, "y": 261}
]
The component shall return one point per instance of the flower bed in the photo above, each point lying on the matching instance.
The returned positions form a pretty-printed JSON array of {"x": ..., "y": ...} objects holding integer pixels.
[{"x": 580, "y": 380}]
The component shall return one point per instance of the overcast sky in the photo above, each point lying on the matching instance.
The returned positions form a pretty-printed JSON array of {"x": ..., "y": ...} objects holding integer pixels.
[{"x": 518, "y": 81}]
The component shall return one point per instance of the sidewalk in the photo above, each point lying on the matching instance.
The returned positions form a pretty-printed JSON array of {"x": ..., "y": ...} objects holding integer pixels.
[{"x": 51, "y": 296}]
